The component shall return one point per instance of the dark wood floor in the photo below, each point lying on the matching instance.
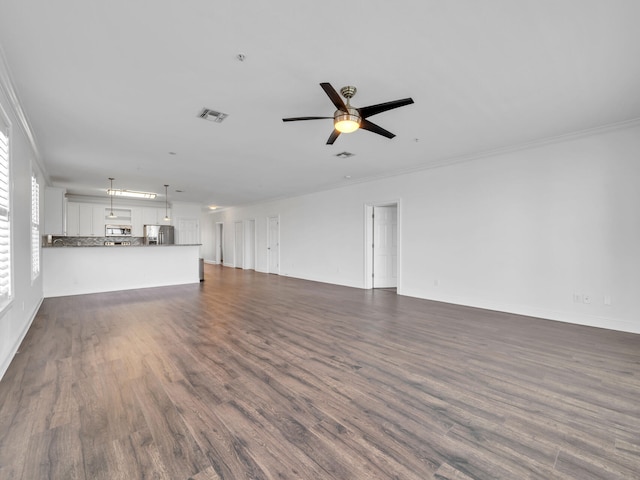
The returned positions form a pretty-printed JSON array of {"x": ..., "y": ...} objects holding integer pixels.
[{"x": 251, "y": 376}]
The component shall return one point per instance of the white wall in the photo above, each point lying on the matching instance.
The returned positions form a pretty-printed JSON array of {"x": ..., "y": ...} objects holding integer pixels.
[
  {"x": 27, "y": 295},
  {"x": 520, "y": 232}
]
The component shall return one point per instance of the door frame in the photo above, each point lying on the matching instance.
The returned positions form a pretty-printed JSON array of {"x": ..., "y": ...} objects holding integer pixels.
[{"x": 368, "y": 241}]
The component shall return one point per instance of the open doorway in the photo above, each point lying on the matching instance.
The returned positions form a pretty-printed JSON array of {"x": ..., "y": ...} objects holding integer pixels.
[{"x": 382, "y": 246}]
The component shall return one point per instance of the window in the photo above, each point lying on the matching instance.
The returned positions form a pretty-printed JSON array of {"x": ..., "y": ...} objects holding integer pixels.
[
  {"x": 35, "y": 228},
  {"x": 5, "y": 219}
]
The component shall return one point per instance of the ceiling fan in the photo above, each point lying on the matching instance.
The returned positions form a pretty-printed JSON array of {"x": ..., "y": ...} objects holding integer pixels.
[{"x": 347, "y": 119}]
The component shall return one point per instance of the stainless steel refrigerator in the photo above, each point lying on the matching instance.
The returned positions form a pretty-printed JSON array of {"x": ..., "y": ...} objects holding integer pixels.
[{"x": 158, "y": 235}]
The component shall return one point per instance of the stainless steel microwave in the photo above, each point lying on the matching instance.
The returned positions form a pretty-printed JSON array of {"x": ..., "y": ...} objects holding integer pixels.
[{"x": 117, "y": 230}]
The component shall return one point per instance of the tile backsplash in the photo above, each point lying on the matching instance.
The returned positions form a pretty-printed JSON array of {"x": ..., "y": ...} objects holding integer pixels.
[{"x": 63, "y": 241}]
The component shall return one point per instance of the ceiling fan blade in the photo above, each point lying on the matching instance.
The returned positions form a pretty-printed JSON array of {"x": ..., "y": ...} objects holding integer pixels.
[
  {"x": 332, "y": 138},
  {"x": 334, "y": 96},
  {"x": 383, "y": 107},
  {"x": 295, "y": 119},
  {"x": 372, "y": 127}
]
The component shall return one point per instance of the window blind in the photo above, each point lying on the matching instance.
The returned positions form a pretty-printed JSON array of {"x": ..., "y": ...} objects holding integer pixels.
[
  {"x": 5, "y": 218},
  {"x": 35, "y": 228}
]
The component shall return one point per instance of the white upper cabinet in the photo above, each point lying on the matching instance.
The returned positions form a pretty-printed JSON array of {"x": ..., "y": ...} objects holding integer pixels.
[
  {"x": 85, "y": 220},
  {"x": 99, "y": 220},
  {"x": 89, "y": 219},
  {"x": 149, "y": 216},
  {"x": 154, "y": 216},
  {"x": 54, "y": 210},
  {"x": 136, "y": 222},
  {"x": 73, "y": 219}
]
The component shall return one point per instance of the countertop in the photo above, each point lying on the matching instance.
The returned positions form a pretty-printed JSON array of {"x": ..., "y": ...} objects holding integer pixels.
[{"x": 121, "y": 246}]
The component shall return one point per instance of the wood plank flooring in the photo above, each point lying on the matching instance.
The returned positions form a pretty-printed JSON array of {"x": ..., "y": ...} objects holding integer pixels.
[{"x": 253, "y": 376}]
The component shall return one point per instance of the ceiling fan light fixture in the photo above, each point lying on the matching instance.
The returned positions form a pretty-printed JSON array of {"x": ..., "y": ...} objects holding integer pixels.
[
  {"x": 347, "y": 119},
  {"x": 346, "y": 122}
]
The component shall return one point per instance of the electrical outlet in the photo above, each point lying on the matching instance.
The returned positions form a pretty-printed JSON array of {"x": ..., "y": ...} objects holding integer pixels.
[
  {"x": 577, "y": 298},
  {"x": 607, "y": 299}
]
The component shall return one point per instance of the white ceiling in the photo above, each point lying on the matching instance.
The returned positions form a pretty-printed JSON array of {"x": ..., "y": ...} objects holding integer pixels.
[{"x": 111, "y": 87}]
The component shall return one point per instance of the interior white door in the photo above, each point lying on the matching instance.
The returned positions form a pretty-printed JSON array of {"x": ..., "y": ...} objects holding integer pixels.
[
  {"x": 239, "y": 243},
  {"x": 273, "y": 245},
  {"x": 250, "y": 245},
  {"x": 219, "y": 243},
  {"x": 385, "y": 246}
]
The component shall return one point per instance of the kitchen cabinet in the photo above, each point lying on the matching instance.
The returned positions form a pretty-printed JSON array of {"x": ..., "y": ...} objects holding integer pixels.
[
  {"x": 79, "y": 220},
  {"x": 85, "y": 220},
  {"x": 54, "y": 211},
  {"x": 85, "y": 213},
  {"x": 149, "y": 216},
  {"x": 137, "y": 229},
  {"x": 154, "y": 216},
  {"x": 99, "y": 213},
  {"x": 90, "y": 219},
  {"x": 73, "y": 219}
]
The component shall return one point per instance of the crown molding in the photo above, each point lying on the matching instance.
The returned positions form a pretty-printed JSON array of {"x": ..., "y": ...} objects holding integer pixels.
[{"x": 15, "y": 109}]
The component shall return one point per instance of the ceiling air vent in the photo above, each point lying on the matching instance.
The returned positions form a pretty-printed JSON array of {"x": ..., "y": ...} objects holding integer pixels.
[
  {"x": 345, "y": 154},
  {"x": 212, "y": 115}
]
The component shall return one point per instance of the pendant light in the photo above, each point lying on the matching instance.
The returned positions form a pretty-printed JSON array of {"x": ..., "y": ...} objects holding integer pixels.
[
  {"x": 166, "y": 204},
  {"x": 111, "y": 214}
]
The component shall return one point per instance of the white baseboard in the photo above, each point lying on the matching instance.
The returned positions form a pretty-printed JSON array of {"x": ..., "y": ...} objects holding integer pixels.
[{"x": 4, "y": 366}]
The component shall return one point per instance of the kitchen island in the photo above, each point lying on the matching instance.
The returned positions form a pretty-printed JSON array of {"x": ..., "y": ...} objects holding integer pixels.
[{"x": 75, "y": 270}]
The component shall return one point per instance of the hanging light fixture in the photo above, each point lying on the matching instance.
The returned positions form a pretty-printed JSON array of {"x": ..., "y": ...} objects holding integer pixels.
[
  {"x": 166, "y": 204},
  {"x": 349, "y": 121},
  {"x": 132, "y": 194},
  {"x": 111, "y": 214}
]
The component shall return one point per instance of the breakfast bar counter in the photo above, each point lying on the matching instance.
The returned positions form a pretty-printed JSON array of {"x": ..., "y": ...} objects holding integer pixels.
[{"x": 75, "y": 270}]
